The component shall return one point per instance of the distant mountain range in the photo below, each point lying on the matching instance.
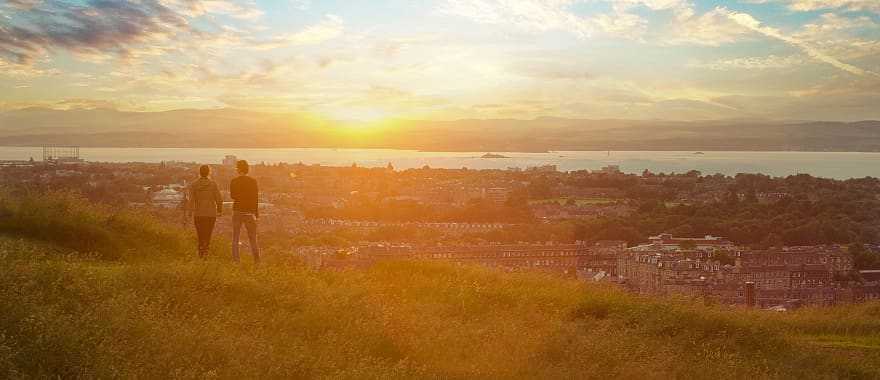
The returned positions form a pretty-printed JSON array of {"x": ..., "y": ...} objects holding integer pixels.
[{"x": 232, "y": 128}]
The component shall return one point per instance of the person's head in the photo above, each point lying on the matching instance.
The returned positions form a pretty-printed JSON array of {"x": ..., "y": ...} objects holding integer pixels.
[
  {"x": 204, "y": 171},
  {"x": 242, "y": 167}
]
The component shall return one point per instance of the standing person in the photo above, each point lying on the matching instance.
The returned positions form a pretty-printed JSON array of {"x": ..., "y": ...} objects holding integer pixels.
[
  {"x": 244, "y": 192},
  {"x": 206, "y": 204}
]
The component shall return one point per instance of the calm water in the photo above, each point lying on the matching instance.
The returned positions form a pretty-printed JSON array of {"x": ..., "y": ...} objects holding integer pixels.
[{"x": 832, "y": 165}]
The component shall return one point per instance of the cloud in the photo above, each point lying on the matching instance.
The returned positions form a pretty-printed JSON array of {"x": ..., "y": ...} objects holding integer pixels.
[
  {"x": 17, "y": 70},
  {"x": 245, "y": 9},
  {"x": 100, "y": 28},
  {"x": 848, "y": 5},
  {"x": 750, "y": 63},
  {"x": 817, "y": 5},
  {"x": 82, "y": 103},
  {"x": 22, "y": 4},
  {"x": 527, "y": 15},
  {"x": 327, "y": 29},
  {"x": 103, "y": 30},
  {"x": 550, "y": 69},
  {"x": 623, "y": 20},
  {"x": 301, "y": 4},
  {"x": 751, "y": 23},
  {"x": 841, "y": 36},
  {"x": 713, "y": 28}
]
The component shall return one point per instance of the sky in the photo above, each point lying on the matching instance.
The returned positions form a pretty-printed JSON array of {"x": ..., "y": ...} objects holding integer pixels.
[{"x": 371, "y": 60}]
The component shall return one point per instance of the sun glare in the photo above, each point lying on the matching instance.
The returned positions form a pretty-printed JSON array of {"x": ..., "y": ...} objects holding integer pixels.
[{"x": 362, "y": 115}]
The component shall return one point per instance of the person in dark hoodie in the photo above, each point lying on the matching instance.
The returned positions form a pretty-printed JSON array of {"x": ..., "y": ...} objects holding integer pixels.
[
  {"x": 245, "y": 211},
  {"x": 206, "y": 204}
]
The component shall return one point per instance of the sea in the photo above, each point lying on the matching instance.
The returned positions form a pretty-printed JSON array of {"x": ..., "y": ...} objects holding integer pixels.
[{"x": 838, "y": 165}]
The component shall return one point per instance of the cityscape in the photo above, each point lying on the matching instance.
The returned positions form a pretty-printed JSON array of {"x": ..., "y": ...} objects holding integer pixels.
[{"x": 339, "y": 218}]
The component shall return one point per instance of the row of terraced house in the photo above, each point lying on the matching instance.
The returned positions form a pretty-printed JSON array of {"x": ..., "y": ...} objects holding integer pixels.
[
  {"x": 711, "y": 268},
  {"x": 782, "y": 277}
]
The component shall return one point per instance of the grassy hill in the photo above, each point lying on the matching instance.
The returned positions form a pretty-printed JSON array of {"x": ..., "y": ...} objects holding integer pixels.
[{"x": 72, "y": 310}]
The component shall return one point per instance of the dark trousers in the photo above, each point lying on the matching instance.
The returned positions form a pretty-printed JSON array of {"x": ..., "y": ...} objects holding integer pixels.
[
  {"x": 204, "y": 228},
  {"x": 250, "y": 223}
]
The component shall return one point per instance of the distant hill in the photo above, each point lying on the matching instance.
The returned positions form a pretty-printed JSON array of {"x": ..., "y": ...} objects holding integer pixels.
[{"x": 244, "y": 129}]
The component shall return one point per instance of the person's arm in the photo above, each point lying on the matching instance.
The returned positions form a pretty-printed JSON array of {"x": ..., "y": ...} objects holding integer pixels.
[
  {"x": 218, "y": 198},
  {"x": 233, "y": 190},
  {"x": 188, "y": 201},
  {"x": 257, "y": 197}
]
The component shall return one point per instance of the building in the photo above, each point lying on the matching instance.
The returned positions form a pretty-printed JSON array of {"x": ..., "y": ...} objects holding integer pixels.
[
  {"x": 580, "y": 259},
  {"x": 610, "y": 170},
  {"x": 870, "y": 289},
  {"x": 169, "y": 197},
  {"x": 671, "y": 243},
  {"x": 497, "y": 195},
  {"x": 60, "y": 155},
  {"x": 785, "y": 278},
  {"x": 230, "y": 160},
  {"x": 542, "y": 169}
]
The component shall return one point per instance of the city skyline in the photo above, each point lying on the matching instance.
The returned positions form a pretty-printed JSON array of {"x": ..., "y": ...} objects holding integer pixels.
[{"x": 450, "y": 59}]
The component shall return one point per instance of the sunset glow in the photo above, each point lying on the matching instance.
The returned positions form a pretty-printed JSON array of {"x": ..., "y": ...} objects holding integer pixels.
[{"x": 449, "y": 59}]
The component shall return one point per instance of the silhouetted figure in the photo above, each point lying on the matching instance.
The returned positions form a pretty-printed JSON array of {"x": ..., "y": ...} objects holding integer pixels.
[
  {"x": 245, "y": 194},
  {"x": 206, "y": 204}
]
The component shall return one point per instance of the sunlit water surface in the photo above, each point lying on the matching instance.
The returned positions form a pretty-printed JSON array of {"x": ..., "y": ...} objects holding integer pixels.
[{"x": 822, "y": 164}]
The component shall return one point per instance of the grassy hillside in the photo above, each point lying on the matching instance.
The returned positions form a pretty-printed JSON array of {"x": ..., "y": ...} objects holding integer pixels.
[{"x": 68, "y": 314}]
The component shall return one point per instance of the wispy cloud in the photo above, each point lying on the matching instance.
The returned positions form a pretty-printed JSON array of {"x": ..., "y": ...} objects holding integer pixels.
[
  {"x": 21, "y": 71},
  {"x": 241, "y": 9},
  {"x": 849, "y": 5},
  {"x": 713, "y": 28},
  {"x": 750, "y": 63},
  {"x": 528, "y": 15},
  {"x": 746, "y": 20},
  {"x": 329, "y": 28}
]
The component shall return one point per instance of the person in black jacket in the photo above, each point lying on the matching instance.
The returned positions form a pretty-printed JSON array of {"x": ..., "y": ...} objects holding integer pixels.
[{"x": 245, "y": 194}]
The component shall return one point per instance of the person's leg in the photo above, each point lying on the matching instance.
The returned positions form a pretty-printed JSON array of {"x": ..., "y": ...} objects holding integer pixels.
[
  {"x": 236, "y": 233},
  {"x": 209, "y": 230},
  {"x": 251, "y": 224},
  {"x": 200, "y": 233}
]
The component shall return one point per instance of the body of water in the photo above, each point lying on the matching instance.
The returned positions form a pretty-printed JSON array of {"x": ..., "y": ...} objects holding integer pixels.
[{"x": 822, "y": 164}]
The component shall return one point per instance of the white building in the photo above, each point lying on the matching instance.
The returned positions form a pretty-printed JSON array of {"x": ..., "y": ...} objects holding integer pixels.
[
  {"x": 230, "y": 160},
  {"x": 168, "y": 198}
]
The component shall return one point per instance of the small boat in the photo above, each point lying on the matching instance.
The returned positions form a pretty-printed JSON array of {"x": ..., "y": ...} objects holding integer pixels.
[
  {"x": 493, "y": 155},
  {"x": 699, "y": 153}
]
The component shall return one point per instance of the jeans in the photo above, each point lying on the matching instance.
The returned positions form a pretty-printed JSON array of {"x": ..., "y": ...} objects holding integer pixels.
[
  {"x": 204, "y": 228},
  {"x": 250, "y": 222}
]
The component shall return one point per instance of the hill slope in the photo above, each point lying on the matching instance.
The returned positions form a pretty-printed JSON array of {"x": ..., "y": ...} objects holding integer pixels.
[{"x": 66, "y": 314}]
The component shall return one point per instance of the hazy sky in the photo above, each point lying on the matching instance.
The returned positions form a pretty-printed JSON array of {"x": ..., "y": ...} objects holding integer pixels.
[{"x": 447, "y": 59}]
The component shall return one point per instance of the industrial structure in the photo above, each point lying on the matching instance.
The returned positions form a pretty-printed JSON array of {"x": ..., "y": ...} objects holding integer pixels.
[{"x": 61, "y": 154}]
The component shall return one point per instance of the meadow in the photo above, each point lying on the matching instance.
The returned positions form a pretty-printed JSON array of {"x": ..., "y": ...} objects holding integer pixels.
[{"x": 90, "y": 292}]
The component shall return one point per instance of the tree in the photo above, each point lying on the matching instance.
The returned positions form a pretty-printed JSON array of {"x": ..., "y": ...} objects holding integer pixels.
[
  {"x": 772, "y": 240},
  {"x": 863, "y": 258}
]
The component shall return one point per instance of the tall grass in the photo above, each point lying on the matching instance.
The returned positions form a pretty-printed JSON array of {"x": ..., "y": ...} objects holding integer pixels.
[
  {"x": 71, "y": 221},
  {"x": 68, "y": 315}
]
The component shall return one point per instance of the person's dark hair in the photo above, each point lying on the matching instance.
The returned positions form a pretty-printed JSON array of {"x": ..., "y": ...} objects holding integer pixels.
[
  {"x": 204, "y": 171},
  {"x": 242, "y": 167}
]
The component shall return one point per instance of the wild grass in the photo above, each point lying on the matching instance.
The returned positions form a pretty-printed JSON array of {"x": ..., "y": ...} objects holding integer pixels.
[
  {"x": 70, "y": 221},
  {"x": 68, "y": 315}
]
